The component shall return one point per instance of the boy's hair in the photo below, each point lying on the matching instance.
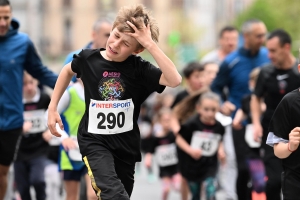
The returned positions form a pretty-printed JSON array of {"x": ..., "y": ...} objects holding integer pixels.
[
  {"x": 4, "y": 3},
  {"x": 192, "y": 67},
  {"x": 254, "y": 74},
  {"x": 226, "y": 29},
  {"x": 142, "y": 17},
  {"x": 209, "y": 95},
  {"x": 283, "y": 36},
  {"x": 187, "y": 107}
]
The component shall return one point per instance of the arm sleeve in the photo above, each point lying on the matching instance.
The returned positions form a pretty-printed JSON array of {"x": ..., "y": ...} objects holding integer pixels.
[
  {"x": 151, "y": 75},
  {"x": 260, "y": 84},
  {"x": 222, "y": 79},
  {"x": 33, "y": 65},
  {"x": 273, "y": 139},
  {"x": 280, "y": 122},
  {"x": 77, "y": 63}
]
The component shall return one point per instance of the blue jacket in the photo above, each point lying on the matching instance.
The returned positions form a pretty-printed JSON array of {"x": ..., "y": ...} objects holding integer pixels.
[
  {"x": 69, "y": 57},
  {"x": 18, "y": 54},
  {"x": 234, "y": 73}
]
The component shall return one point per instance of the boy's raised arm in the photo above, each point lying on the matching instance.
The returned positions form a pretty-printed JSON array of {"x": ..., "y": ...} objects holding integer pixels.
[
  {"x": 170, "y": 76},
  {"x": 62, "y": 83}
]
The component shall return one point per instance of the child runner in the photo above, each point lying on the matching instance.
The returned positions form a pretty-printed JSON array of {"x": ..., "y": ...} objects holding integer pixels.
[
  {"x": 145, "y": 127},
  {"x": 116, "y": 83},
  {"x": 284, "y": 136},
  {"x": 71, "y": 108},
  {"x": 32, "y": 153},
  {"x": 195, "y": 80},
  {"x": 200, "y": 138},
  {"x": 249, "y": 163},
  {"x": 164, "y": 147}
]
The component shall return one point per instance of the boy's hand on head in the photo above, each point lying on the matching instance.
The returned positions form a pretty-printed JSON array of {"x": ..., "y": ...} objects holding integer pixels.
[
  {"x": 294, "y": 139},
  {"x": 195, "y": 153},
  {"x": 143, "y": 35},
  {"x": 53, "y": 118}
]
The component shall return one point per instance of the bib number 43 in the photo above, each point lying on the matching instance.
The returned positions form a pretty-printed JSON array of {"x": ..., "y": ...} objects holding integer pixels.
[{"x": 111, "y": 119}]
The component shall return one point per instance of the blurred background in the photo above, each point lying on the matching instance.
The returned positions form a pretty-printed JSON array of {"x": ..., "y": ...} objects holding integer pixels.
[{"x": 188, "y": 28}]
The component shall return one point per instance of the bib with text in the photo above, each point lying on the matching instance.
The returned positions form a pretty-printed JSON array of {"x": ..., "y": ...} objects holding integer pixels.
[
  {"x": 166, "y": 155},
  {"x": 207, "y": 142},
  {"x": 110, "y": 117},
  {"x": 37, "y": 119}
]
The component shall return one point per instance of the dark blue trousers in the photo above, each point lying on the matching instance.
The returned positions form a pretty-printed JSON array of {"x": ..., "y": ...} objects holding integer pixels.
[{"x": 31, "y": 173}]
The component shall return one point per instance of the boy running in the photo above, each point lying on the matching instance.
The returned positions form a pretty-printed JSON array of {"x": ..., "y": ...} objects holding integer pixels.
[{"x": 116, "y": 83}]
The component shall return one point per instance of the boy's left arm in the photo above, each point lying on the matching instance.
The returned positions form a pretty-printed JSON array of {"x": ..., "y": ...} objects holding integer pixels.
[{"x": 170, "y": 76}]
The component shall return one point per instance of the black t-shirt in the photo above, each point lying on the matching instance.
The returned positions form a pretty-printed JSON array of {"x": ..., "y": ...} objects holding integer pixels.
[
  {"x": 206, "y": 166},
  {"x": 158, "y": 142},
  {"x": 32, "y": 144},
  {"x": 105, "y": 80},
  {"x": 179, "y": 97},
  {"x": 272, "y": 84},
  {"x": 285, "y": 119}
]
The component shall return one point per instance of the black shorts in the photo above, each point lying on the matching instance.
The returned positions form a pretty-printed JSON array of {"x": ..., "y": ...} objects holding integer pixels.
[
  {"x": 8, "y": 145},
  {"x": 74, "y": 175},
  {"x": 168, "y": 171},
  {"x": 112, "y": 177}
]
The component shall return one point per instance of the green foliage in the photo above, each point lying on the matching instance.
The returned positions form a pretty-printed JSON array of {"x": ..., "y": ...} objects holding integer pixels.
[{"x": 276, "y": 14}]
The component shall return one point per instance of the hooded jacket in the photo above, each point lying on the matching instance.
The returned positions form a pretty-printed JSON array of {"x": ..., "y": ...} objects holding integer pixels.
[
  {"x": 17, "y": 53},
  {"x": 234, "y": 73}
]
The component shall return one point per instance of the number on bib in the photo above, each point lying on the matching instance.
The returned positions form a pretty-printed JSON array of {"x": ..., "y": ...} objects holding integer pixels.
[
  {"x": 166, "y": 155},
  {"x": 110, "y": 117},
  {"x": 207, "y": 142}
]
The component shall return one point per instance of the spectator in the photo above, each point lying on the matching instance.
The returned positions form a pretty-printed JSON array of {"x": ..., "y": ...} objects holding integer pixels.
[{"x": 17, "y": 54}]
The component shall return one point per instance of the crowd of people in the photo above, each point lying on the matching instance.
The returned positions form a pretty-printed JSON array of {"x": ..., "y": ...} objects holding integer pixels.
[{"x": 232, "y": 126}]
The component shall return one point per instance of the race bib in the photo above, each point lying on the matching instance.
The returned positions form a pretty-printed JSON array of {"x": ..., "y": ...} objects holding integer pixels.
[
  {"x": 249, "y": 137},
  {"x": 166, "y": 155},
  {"x": 75, "y": 154},
  {"x": 207, "y": 142},
  {"x": 110, "y": 117},
  {"x": 37, "y": 119}
]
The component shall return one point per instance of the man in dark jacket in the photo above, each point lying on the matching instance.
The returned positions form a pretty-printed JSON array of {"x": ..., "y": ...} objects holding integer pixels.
[{"x": 17, "y": 54}]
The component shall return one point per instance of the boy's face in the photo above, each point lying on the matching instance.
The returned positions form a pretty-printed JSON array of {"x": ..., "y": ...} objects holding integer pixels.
[
  {"x": 120, "y": 46},
  {"x": 196, "y": 80},
  {"x": 29, "y": 86}
]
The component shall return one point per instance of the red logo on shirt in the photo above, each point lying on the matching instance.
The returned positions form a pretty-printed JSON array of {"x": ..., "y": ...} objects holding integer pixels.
[{"x": 111, "y": 74}]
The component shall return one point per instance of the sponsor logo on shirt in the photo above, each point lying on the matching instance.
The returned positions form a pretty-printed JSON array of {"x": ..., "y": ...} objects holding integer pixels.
[
  {"x": 111, "y": 86},
  {"x": 110, "y": 105},
  {"x": 282, "y": 77},
  {"x": 111, "y": 74}
]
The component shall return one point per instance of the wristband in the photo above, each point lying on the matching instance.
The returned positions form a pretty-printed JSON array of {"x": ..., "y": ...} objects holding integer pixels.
[{"x": 289, "y": 148}]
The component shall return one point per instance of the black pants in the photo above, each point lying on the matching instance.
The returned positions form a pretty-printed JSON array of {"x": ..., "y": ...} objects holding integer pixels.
[
  {"x": 8, "y": 145},
  {"x": 112, "y": 179},
  {"x": 242, "y": 151},
  {"x": 31, "y": 173},
  {"x": 273, "y": 168}
]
